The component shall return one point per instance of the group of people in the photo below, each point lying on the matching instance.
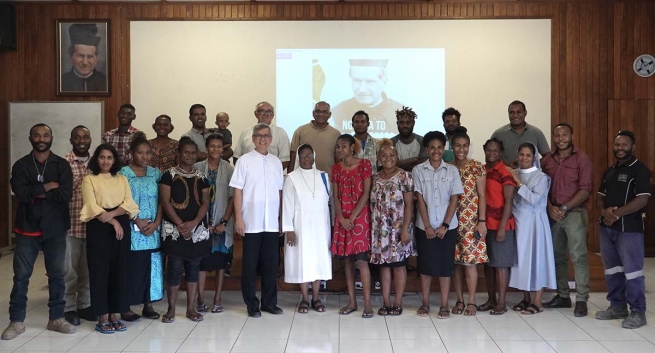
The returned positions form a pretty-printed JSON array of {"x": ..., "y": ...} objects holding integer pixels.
[{"x": 137, "y": 208}]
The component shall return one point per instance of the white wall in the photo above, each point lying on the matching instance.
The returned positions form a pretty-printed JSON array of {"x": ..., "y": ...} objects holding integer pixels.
[{"x": 230, "y": 65}]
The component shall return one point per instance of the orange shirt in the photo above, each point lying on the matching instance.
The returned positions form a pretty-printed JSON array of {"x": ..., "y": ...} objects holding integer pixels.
[{"x": 497, "y": 177}]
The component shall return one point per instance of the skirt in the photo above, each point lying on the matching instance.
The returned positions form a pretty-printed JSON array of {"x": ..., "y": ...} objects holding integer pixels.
[
  {"x": 502, "y": 254},
  {"x": 145, "y": 277},
  {"x": 436, "y": 257}
]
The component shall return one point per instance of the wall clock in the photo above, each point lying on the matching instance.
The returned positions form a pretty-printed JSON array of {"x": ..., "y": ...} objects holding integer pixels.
[{"x": 644, "y": 65}]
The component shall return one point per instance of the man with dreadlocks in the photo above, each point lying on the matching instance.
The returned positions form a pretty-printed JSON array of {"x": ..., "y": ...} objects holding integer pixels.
[{"x": 408, "y": 144}]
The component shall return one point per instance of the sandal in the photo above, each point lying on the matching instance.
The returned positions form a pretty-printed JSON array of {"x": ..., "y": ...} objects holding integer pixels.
[
  {"x": 105, "y": 328},
  {"x": 367, "y": 314},
  {"x": 444, "y": 313},
  {"x": 317, "y": 305},
  {"x": 486, "y": 306},
  {"x": 395, "y": 311},
  {"x": 458, "y": 310},
  {"x": 202, "y": 308},
  {"x": 346, "y": 310},
  {"x": 384, "y": 311},
  {"x": 168, "y": 319},
  {"x": 495, "y": 311},
  {"x": 119, "y": 326},
  {"x": 531, "y": 310},
  {"x": 303, "y": 308},
  {"x": 217, "y": 309},
  {"x": 468, "y": 312},
  {"x": 131, "y": 318},
  {"x": 423, "y": 311},
  {"x": 522, "y": 305},
  {"x": 195, "y": 317}
]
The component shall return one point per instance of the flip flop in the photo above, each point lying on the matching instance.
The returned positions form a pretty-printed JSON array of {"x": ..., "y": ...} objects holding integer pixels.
[
  {"x": 131, "y": 318},
  {"x": 498, "y": 312},
  {"x": 384, "y": 310},
  {"x": 485, "y": 307},
  {"x": 395, "y": 311},
  {"x": 367, "y": 314},
  {"x": 168, "y": 319},
  {"x": 423, "y": 311},
  {"x": 456, "y": 309},
  {"x": 522, "y": 305},
  {"x": 318, "y": 306},
  {"x": 195, "y": 318},
  {"x": 347, "y": 310},
  {"x": 531, "y": 310},
  {"x": 217, "y": 309},
  {"x": 119, "y": 326},
  {"x": 202, "y": 308},
  {"x": 106, "y": 332}
]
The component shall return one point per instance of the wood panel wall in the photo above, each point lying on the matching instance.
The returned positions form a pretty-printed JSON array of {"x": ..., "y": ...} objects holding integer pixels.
[{"x": 594, "y": 43}]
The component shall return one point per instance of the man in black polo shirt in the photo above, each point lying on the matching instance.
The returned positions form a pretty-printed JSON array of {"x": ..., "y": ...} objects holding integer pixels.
[{"x": 623, "y": 195}]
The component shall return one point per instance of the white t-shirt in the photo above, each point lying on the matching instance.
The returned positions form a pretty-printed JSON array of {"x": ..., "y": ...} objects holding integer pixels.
[
  {"x": 261, "y": 179},
  {"x": 280, "y": 146}
]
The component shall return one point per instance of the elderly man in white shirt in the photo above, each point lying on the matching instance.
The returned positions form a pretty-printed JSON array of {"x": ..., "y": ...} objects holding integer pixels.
[
  {"x": 257, "y": 181},
  {"x": 279, "y": 146}
]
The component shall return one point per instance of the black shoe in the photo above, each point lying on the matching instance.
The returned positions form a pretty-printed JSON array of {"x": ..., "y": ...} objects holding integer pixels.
[
  {"x": 87, "y": 314},
  {"x": 580, "y": 309},
  {"x": 275, "y": 310},
  {"x": 72, "y": 318},
  {"x": 558, "y": 302},
  {"x": 150, "y": 314},
  {"x": 254, "y": 313}
]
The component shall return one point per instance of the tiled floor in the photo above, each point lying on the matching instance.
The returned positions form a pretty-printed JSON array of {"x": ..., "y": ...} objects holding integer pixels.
[{"x": 232, "y": 331}]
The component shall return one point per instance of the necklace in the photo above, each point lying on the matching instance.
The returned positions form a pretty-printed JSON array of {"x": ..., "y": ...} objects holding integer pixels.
[
  {"x": 313, "y": 191},
  {"x": 39, "y": 174}
]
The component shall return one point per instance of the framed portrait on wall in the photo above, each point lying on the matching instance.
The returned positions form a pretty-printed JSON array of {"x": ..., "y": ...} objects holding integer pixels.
[{"x": 83, "y": 58}]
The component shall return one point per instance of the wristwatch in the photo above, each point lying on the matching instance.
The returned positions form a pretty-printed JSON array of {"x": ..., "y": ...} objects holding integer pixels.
[
  {"x": 446, "y": 225},
  {"x": 564, "y": 208},
  {"x": 223, "y": 222}
]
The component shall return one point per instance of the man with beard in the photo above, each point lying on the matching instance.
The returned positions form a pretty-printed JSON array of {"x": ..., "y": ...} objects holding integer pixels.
[
  {"x": 369, "y": 148},
  {"x": 43, "y": 184},
  {"x": 198, "y": 132},
  {"x": 409, "y": 145},
  {"x": 83, "y": 52},
  {"x": 622, "y": 197},
  {"x": 368, "y": 79},
  {"x": 572, "y": 176},
  {"x": 121, "y": 136},
  {"x": 451, "y": 118},
  {"x": 518, "y": 131},
  {"x": 77, "y": 294},
  {"x": 320, "y": 135},
  {"x": 279, "y": 147}
]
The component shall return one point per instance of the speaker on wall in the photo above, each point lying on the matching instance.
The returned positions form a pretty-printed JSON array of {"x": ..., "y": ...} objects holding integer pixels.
[{"x": 7, "y": 26}]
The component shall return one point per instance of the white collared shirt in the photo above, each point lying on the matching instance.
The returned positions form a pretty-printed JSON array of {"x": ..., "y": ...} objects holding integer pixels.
[
  {"x": 261, "y": 179},
  {"x": 280, "y": 145}
]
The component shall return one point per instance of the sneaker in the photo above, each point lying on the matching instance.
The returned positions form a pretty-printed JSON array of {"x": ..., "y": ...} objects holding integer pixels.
[
  {"x": 635, "y": 320},
  {"x": 13, "y": 330},
  {"x": 613, "y": 312},
  {"x": 60, "y": 325}
]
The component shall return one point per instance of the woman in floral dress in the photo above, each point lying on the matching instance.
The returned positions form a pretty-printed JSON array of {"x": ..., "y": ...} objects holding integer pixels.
[
  {"x": 470, "y": 248},
  {"x": 392, "y": 201},
  {"x": 351, "y": 239},
  {"x": 164, "y": 148}
]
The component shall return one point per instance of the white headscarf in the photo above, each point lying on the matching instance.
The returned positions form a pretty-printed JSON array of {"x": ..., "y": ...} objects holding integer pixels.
[
  {"x": 536, "y": 163},
  {"x": 297, "y": 164}
]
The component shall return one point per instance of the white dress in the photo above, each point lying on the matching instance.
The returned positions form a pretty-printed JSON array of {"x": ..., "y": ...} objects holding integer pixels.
[
  {"x": 535, "y": 269},
  {"x": 305, "y": 211}
]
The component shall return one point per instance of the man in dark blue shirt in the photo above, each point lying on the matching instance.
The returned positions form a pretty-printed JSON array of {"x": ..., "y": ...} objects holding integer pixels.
[
  {"x": 43, "y": 184},
  {"x": 623, "y": 194}
]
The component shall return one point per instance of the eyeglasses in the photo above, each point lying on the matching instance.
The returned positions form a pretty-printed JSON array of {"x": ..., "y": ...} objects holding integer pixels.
[
  {"x": 261, "y": 137},
  {"x": 264, "y": 112},
  {"x": 308, "y": 155}
]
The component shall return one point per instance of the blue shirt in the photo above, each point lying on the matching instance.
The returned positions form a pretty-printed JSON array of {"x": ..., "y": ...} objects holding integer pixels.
[{"x": 437, "y": 186}]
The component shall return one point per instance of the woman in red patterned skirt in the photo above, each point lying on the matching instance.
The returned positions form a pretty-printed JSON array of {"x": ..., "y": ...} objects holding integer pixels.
[{"x": 351, "y": 240}]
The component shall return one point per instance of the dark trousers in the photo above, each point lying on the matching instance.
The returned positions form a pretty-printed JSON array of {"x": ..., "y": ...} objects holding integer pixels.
[
  {"x": 25, "y": 253},
  {"x": 260, "y": 248},
  {"x": 108, "y": 260},
  {"x": 623, "y": 259}
]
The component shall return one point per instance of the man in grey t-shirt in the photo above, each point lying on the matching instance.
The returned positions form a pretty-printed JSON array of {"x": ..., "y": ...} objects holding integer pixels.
[
  {"x": 409, "y": 146},
  {"x": 518, "y": 131}
]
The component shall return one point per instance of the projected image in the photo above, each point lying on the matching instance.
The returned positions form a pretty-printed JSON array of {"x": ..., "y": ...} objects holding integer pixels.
[{"x": 378, "y": 81}]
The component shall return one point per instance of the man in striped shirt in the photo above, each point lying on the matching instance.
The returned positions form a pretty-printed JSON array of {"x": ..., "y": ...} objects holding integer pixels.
[{"x": 77, "y": 294}]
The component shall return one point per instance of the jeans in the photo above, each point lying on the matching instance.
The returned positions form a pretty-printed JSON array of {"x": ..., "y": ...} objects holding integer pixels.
[
  {"x": 623, "y": 259},
  {"x": 570, "y": 239},
  {"x": 25, "y": 254},
  {"x": 78, "y": 292}
]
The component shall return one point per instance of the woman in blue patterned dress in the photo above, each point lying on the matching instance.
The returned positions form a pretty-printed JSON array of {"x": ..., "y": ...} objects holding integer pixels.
[{"x": 146, "y": 281}]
